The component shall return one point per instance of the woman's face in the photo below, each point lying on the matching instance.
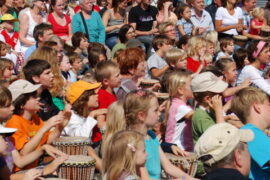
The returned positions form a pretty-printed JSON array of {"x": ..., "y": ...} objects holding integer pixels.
[
  {"x": 19, "y": 3},
  {"x": 9, "y": 3},
  {"x": 170, "y": 32},
  {"x": 40, "y": 4},
  {"x": 130, "y": 33},
  {"x": 87, "y": 5},
  {"x": 59, "y": 7},
  {"x": 231, "y": 1},
  {"x": 122, "y": 4},
  {"x": 264, "y": 56}
]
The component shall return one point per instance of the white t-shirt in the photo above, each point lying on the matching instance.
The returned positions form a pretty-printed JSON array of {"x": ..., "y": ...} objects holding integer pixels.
[{"x": 228, "y": 20}]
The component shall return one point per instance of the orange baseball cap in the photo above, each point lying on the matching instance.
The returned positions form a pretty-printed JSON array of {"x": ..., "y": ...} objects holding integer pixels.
[{"x": 76, "y": 89}]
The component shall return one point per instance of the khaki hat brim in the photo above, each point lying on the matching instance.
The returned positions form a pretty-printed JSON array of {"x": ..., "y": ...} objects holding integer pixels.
[
  {"x": 246, "y": 135},
  {"x": 218, "y": 87}
]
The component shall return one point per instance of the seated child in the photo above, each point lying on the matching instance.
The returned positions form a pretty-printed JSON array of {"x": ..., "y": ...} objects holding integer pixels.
[
  {"x": 241, "y": 59},
  {"x": 76, "y": 66},
  {"x": 258, "y": 21},
  {"x": 31, "y": 132},
  {"x": 226, "y": 48}
]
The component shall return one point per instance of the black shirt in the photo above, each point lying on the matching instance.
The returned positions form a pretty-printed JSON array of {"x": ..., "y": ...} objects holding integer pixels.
[
  {"x": 225, "y": 174},
  {"x": 143, "y": 18}
]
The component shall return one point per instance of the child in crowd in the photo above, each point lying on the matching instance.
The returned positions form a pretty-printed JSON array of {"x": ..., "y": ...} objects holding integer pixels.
[
  {"x": 226, "y": 48},
  {"x": 8, "y": 35},
  {"x": 182, "y": 43},
  {"x": 108, "y": 73},
  {"x": 251, "y": 105},
  {"x": 177, "y": 61},
  {"x": 179, "y": 114},
  {"x": 31, "y": 132},
  {"x": 228, "y": 68},
  {"x": 65, "y": 66},
  {"x": 141, "y": 110},
  {"x": 241, "y": 59},
  {"x": 206, "y": 88},
  {"x": 76, "y": 66},
  {"x": 39, "y": 71},
  {"x": 96, "y": 54},
  {"x": 258, "y": 21},
  {"x": 210, "y": 51},
  {"x": 82, "y": 96},
  {"x": 80, "y": 44},
  {"x": 184, "y": 24},
  {"x": 196, "y": 51},
  {"x": 6, "y": 69},
  {"x": 156, "y": 64},
  {"x": 127, "y": 149}
]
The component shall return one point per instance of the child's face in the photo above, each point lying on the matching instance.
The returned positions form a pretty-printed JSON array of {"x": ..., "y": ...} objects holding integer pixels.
[
  {"x": 165, "y": 47},
  {"x": 153, "y": 113},
  {"x": 140, "y": 70},
  {"x": 9, "y": 25},
  {"x": 32, "y": 105},
  {"x": 77, "y": 65},
  {"x": 46, "y": 78},
  {"x": 65, "y": 64},
  {"x": 84, "y": 43},
  {"x": 114, "y": 80},
  {"x": 187, "y": 13},
  {"x": 6, "y": 111},
  {"x": 180, "y": 64},
  {"x": 231, "y": 73},
  {"x": 102, "y": 57},
  {"x": 140, "y": 154},
  {"x": 3, "y": 146},
  {"x": 93, "y": 100},
  {"x": 131, "y": 33},
  {"x": 229, "y": 48},
  {"x": 3, "y": 50},
  {"x": 8, "y": 72},
  {"x": 210, "y": 50}
]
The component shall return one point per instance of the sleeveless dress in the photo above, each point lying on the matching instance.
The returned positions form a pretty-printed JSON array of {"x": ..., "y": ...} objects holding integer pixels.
[{"x": 58, "y": 29}]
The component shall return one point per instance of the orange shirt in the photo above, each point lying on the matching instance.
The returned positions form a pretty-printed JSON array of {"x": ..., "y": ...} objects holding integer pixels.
[{"x": 26, "y": 129}]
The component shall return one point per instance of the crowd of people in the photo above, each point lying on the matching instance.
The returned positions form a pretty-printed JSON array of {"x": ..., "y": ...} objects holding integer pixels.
[{"x": 139, "y": 79}]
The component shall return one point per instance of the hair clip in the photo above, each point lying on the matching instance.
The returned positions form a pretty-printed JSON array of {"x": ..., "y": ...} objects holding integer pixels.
[
  {"x": 140, "y": 93},
  {"x": 131, "y": 147}
]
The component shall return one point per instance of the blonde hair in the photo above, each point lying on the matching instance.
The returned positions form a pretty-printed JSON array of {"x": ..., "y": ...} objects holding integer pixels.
[
  {"x": 177, "y": 80},
  {"x": 119, "y": 155},
  {"x": 135, "y": 102},
  {"x": 5, "y": 64},
  {"x": 174, "y": 54},
  {"x": 115, "y": 122},
  {"x": 258, "y": 11},
  {"x": 50, "y": 55},
  {"x": 212, "y": 36},
  {"x": 244, "y": 99},
  {"x": 195, "y": 43}
]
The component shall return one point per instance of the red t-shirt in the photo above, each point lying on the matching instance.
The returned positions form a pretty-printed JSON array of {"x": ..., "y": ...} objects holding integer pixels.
[
  {"x": 78, "y": 8},
  {"x": 58, "y": 29},
  {"x": 255, "y": 31},
  {"x": 105, "y": 99},
  {"x": 193, "y": 65}
]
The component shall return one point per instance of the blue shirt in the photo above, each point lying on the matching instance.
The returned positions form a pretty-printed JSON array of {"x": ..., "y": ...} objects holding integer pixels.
[
  {"x": 259, "y": 150},
  {"x": 246, "y": 19},
  {"x": 153, "y": 160},
  {"x": 95, "y": 27},
  {"x": 187, "y": 26},
  {"x": 29, "y": 51},
  {"x": 204, "y": 21}
]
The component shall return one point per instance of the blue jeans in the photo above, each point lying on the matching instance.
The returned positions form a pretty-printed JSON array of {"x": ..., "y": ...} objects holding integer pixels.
[
  {"x": 111, "y": 41},
  {"x": 147, "y": 41}
]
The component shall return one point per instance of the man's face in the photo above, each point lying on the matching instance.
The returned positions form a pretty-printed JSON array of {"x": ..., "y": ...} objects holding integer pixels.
[
  {"x": 198, "y": 5},
  {"x": 218, "y": 3},
  {"x": 250, "y": 4}
]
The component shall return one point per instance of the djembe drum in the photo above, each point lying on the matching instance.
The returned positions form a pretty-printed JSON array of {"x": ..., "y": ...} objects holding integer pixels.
[
  {"x": 147, "y": 83},
  {"x": 78, "y": 167},
  {"x": 162, "y": 97},
  {"x": 265, "y": 32},
  {"x": 72, "y": 145},
  {"x": 240, "y": 40},
  {"x": 186, "y": 164}
]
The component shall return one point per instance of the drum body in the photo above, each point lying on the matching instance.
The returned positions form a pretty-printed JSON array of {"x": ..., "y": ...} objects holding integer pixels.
[
  {"x": 72, "y": 145},
  {"x": 186, "y": 164},
  {"x": 265, "y": 32},
  {"x": 240, "y": 40},
  {"x": 162, "y": 97},
  {"x": 147, "y": 83},
  {"x": 78, "y": 167}
]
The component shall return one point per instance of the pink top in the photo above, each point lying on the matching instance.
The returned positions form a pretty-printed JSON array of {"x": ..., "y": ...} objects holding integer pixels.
[
  {"x": 58, "y": 29},
  {"x": 178, "y": 129}
]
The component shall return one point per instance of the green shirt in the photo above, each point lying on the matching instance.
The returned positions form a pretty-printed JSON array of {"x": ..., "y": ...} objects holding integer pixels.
[
  {"x": 16, "y": 24},
  {"x": 201, "y": 121}
]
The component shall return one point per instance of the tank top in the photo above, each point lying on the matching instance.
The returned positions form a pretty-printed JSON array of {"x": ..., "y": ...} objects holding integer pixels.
[
  {"x": 112, "y": 21},
  {"x": 58, "y": 29}
]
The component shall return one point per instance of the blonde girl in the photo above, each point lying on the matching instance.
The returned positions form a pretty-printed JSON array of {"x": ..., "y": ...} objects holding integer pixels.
[
  {"x": 258, "y": 22},
  {"x": 141, "y": 110},
  {"x": 179, "y": 114},
  {"x": 196, "y": 51},
  {"x": 124, "y": 156},
  {"x": 228, "y": 68},
  {"x": 6, "y": 69}
]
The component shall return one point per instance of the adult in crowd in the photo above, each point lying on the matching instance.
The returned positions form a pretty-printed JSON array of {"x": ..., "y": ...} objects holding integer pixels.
[
  {"x": 6, "y": 7},
  {"x": 42, "y": 33},
  {"x": 113, "y": 20},
  {"x": 29, "y": 20},
  {"x": 223, "y": 150},
  {"x": 212, "y": 8},
  {"x": 229, "y": 19},
  {"x": 60, "y": 22},
  {"x": 258, "y": 56},
  {"x": 248, "y": 6},
  {"x": 165, "y": 12},
  {"x": 19, "y": 5},
  {"x": 168, "y": 29},
  {"x": 267, "y": 12},
  {"x": 89, "y": 22},
  {"x": 143, "y": 18},
  {"x": 200, "y": 17}
]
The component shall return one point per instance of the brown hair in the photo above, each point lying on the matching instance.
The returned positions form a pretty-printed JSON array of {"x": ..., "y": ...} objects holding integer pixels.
[
  {"x": 80, "y": 105},
  {"x": 225, "y": 42},
  {"x": 159, "y": 40},
  {"x": 5, "y": 96},
  {"x": 5, "y": 64},
  {"x": 103, "y": 70}
]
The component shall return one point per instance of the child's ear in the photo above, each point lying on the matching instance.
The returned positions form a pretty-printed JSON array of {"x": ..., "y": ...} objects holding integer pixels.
[
  {"x": 36, "y": 79},
  {"x": 172, "y": 65},
  {"x": 141, "y": 116},
  {"x": 180, "y": 90},
  {"x": 207, "y": 99},
  {"x": 105, "y": 82},
  {"x": 257, "y": 107}
]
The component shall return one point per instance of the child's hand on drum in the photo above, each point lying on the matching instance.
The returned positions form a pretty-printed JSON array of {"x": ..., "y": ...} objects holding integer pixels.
[
  {"x": 32, "y": 174},
  {"x": 179, "y": 152},
  {"x": 52, "y": 151}
]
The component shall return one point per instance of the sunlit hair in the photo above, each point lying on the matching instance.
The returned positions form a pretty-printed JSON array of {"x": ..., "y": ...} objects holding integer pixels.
[
  {"x": 224, "y": 64},
  {"x": 5, "y": 64},
  {"x": 162, "y": 27},
  {"x": 115, "y": 122},
  {"x": 50, "y": 55},
  {"x": 135, "y": 102},
  {"x": 257, "y": 12},
  {"x": 213, "y": 37},
  {"x": 119, "y": 155},
  {"x": 173, "y": 55},
  {"x": 225, "y": 42},
  {"x": 195, "y": 44}
]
